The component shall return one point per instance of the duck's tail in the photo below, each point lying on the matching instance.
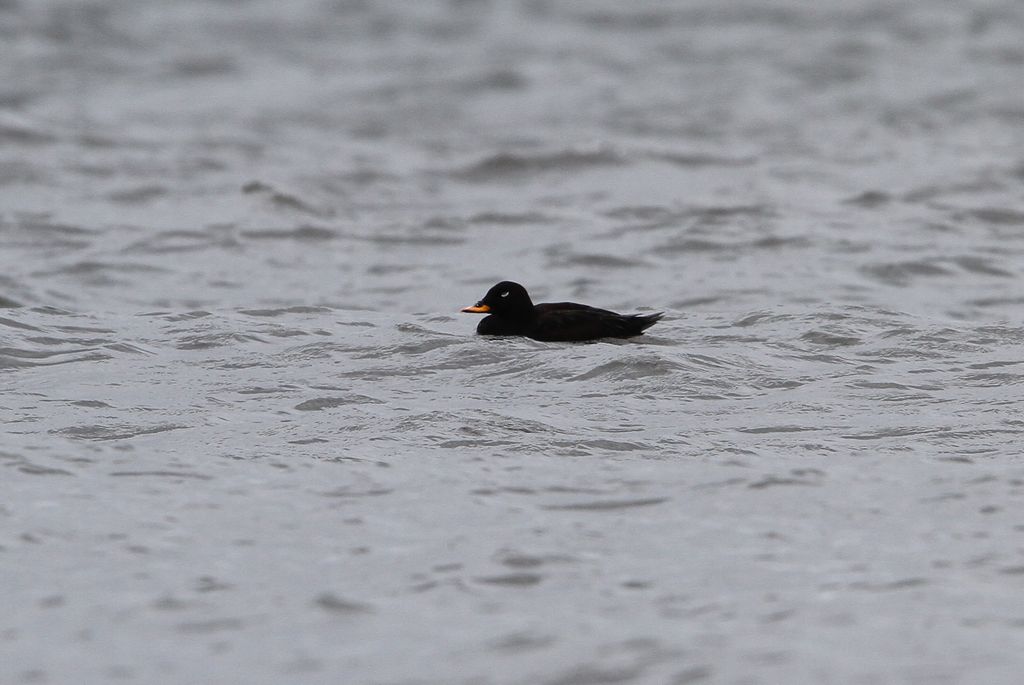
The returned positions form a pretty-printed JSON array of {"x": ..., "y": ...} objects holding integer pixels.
[{"x": 641, "y": 322}]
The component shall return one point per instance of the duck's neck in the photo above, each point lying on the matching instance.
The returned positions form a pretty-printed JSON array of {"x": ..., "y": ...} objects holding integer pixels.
[{"x": 523, "y": 312}]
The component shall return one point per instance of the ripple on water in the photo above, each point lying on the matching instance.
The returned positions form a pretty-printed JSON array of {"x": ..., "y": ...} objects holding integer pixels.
[
  {"x": 476, "y": 423},
  {"x": 32, "y": 468},
  {"x": 902, "y": 273},
  {"x": 180, "y": 241},
  {"x": 510, "y": 165},
  {"x": 829, "y": 339},
  {"x": 98, "y": 271},
  {"x": 13, "y": 357},
  {"x": 318, "y": 350},
  {"x": 115, "y": 431},
  {"x": 607, "y": 505},
  {"x": 521, "y": 579},
  {"x": 321, "y": 403},
  {"x": 630, "y": 368},
  {"x": 173, "y": 475},
  {"x": 339, "y": 606},
  {"x": 205, "y": 341},
  {"x": 283, "y": 311},
  {"x": 284, "y": 201},
  {"x": 13, "y": 323},
  {"x": 511, "y": 218}
]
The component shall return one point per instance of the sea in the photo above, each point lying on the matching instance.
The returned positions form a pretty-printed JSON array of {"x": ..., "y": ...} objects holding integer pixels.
[{"x": 249, "y": 438}]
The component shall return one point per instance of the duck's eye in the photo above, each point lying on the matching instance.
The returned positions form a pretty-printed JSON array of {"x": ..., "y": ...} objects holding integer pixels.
[{"x": 505, "y": 294}]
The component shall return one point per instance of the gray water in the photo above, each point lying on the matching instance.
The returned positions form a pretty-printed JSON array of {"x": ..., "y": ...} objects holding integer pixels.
[{"x": 249, "y": 439}]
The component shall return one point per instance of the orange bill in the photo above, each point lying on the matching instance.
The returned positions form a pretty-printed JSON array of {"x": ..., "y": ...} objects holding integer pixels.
[{"x": 477, "y": 309}]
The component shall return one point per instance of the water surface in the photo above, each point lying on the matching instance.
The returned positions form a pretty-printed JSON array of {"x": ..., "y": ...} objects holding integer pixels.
[{"x": 248, "y": 438}]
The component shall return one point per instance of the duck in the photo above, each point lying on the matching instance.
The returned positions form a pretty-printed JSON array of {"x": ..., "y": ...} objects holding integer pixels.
[{"x": 511, "y": 312}]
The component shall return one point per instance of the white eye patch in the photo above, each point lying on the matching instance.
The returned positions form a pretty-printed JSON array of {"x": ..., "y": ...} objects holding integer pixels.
[{"x": 505, "y": 294}]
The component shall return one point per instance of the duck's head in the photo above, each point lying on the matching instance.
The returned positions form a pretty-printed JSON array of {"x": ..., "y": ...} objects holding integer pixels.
[{"x": 504, "y": 299}]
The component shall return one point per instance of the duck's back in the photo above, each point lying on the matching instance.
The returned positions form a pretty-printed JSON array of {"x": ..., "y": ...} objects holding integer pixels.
[{"x": 572, "y": 322}]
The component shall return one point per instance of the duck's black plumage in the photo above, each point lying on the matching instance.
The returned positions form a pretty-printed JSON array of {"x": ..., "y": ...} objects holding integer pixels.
[{"x": 512, "y": 312}]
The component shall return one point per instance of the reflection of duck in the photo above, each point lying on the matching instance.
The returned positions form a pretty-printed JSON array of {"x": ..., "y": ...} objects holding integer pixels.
[{"x": 513, "y": 313}]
